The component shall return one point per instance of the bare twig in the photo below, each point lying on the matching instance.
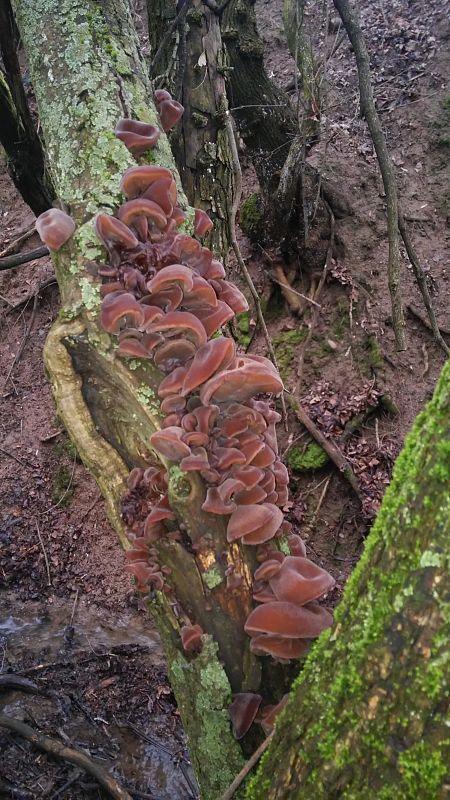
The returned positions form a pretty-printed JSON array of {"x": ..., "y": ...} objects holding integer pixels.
[
  {"x": 321, "y": 499},
  {"x": 247, "y": 768},
  {"x": 19, "y": 460},
  {"x": 23, "y": 258},
  {"x": 237, "y": 174},
  {"x": 350, "y": 19},
  {"x": 413, "y": 311},
  {"x": 24, "y": 340},
  {"x": 47, "y": 565},
  {"x": 16, "y": 243},
  {"x": 58, "y": 750}
]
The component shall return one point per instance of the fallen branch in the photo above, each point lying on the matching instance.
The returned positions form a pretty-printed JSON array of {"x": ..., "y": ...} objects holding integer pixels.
[
  {"x": 59, "y": 750},
  {"x": 25, "y": 338},
  {"x": 330, "y": 449},
  {"x": 350, "y": 19},
  {"x": 413, "y": 311},
  {"x": 16, "y": 243},
  {"x": 247, "y": 768},
  {"x": 9, "y": 682},
  {"x": 237, "y": 174},
  {"x": 23, "y": 258}
]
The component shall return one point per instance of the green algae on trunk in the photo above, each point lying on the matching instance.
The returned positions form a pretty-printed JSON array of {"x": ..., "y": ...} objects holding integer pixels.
[{"x": 367, "y": 717}]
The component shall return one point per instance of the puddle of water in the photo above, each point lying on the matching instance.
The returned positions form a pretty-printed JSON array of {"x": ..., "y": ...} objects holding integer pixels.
[{"x": 35, "y": 628}]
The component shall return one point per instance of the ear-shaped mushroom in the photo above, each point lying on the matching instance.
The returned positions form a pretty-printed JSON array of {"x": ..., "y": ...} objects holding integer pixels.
[
  {"x": 215, "y": 355},
  {"x": 218, "y": 498},
  {"x": 168, "y": 299},
  {"x": 168, "y": 442},
  {"x": 215, "y": 271},
  {"x": 136, "y": 180},
  {"x": 116, "y": 307},
  {"x": 54, "y": 227},
  {"x": 170, "y": 111},
  {"x": 137, "y": 136},
  {"x": 267, "y": 570},
  {"x": 114, "y": 233},
  {"x": 206, "y": 416},
  {"x": 241, "y": 383},
  {"x": 164, "y": 193},
  {"x": 288, "y": 620},
  {"x": 268, "y": 715},
  {"x": 296, "y": 545},
  {"x": 213, "y": 318},
  {"x": 160, "y": 95},
  {"x": 251, "y": 496},
  {"x": 243, "y": 711},
  {"x": 166, "y": 277},
  {"x": 202, "y": 296},
  {"x": 132, "y": 348},
  {"x": 202, "y": 223},
  {"x": 173, "y": 382},
  {"x": 300, "y": 581},
  {"x": 196, "y": 461},
  {"x": 231, "y": 295},
  {"x": 181, "y": 323},
  {"x": 191, "y": 637},
  {"x": 279, "y": 647},
  {"x": 249, "y": 476},
  {"x": 254, "y": 524},
  {"x": 174, "y": 353},
  {"x": 140, "y": 207}
]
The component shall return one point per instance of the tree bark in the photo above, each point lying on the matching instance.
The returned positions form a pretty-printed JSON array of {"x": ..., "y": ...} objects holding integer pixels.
[
  {"x": 262, "y": 111},
  {"x": 187, "y": 58},
  {"x": 367, "y": 717},
  {"x": 91, "y": 76},
  {"x": 23, "y": 147}
]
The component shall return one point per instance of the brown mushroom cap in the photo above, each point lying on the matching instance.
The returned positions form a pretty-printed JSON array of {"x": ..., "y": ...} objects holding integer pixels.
[
  {"x": 136, "y": 180},
  {"x": 174, "y": 353},
  {"x": 243, "y": 711},
  {"x": 137, "y": 136},
  {"x": 267, "y": 570},
  {"x": 168, "y": 442},
  {"x": 279, "y": 647},
  {"x": 268, "y": 715},
  {"x": 170, "y": 111},
  {"x": 202, "y": 223},
  {"x": 215, "y": 355},
  {"x": 184, "y": 323},
  {"x": 54, "y": 227},
  {"x": 163, "y": 192},
  {"x": 240, "y": 383},
  {"x": 196, "y": 461},
  {"x": 191, "y": 637},
  {"x": 140, "y": 207},
  {"x": 232, "y": 296},
  {"x": 257, "y": 523},
  {"x": 115, "y": 233},
  {"x": 132, "y": 348},
  {"x": 213, "y": 318},
  {"x": 201, "y": 297},
  {"x": 300, "y": 581},
  {"x": 296, "y": 545},
  {"x": 160, "y": 95},
  {"x": 116, "y": 307},
  {"x": 174, "y": 274},
  {"x": 288, "y": 620}
]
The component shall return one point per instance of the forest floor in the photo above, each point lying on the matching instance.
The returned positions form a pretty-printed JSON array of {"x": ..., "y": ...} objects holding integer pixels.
[{"x": 69, "y": 617}]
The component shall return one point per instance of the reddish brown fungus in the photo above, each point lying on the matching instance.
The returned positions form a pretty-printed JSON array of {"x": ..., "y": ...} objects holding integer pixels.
[
  {"x": 191, "y": 637},
  {"x": 55, "y": 228},
  {"x": 137, "y": 136},
  {"x": 202, "y": 223},
  {"x": 243, "y": 711},
  {"x": 288, "y": 619}
]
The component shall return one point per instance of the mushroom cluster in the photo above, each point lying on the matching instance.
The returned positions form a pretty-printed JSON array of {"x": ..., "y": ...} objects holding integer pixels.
[{"x": 166, "y": 299}]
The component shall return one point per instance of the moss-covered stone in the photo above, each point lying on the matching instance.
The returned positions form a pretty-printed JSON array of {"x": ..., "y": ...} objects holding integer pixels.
[
  {"x": 306, "y": 458},
  {"x": 250, "y": 216}
]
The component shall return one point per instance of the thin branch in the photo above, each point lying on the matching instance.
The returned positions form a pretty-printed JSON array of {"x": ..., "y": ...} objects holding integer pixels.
[
  {"x": 47, "y": 565},
  {"x": 330, "y": 449},
  {"x": 23, "y": 258},
  {"x": 25, "y": 338},
  {"x": 59, "y": 750},
  {"x": 247, "y": 768},
  {"x": 16, "y": 243},
  {"x": 237, "y": 174},
  {"x": 350, "y": 19},
  {"x": 179, "y": 17},
  {"x": 413, "y": 311}
]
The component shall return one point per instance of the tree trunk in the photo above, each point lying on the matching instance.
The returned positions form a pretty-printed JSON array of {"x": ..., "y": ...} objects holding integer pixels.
[
  {"x": 23, "y": 147},
  {"x": 191, "y": 56},
  {"x": 367, "y": 717},
  {"x": 91, "y": 76},
  {"x": 261, "y": 110}
]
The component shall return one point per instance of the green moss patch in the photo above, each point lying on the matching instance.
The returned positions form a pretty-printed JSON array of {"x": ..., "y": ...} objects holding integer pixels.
[
  {"x": 306, "y": 459},
  {"x": 285, "y": 344},
  {"x": 250, "y": 217}
]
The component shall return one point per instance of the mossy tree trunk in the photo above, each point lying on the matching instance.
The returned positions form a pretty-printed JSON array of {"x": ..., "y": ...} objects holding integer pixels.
[
  {"x": 92, "y": 75},
  {"x": 23, "y": 147},
  {"x": 368, "y": 716},
  {"x": 187, "y": 59}
]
